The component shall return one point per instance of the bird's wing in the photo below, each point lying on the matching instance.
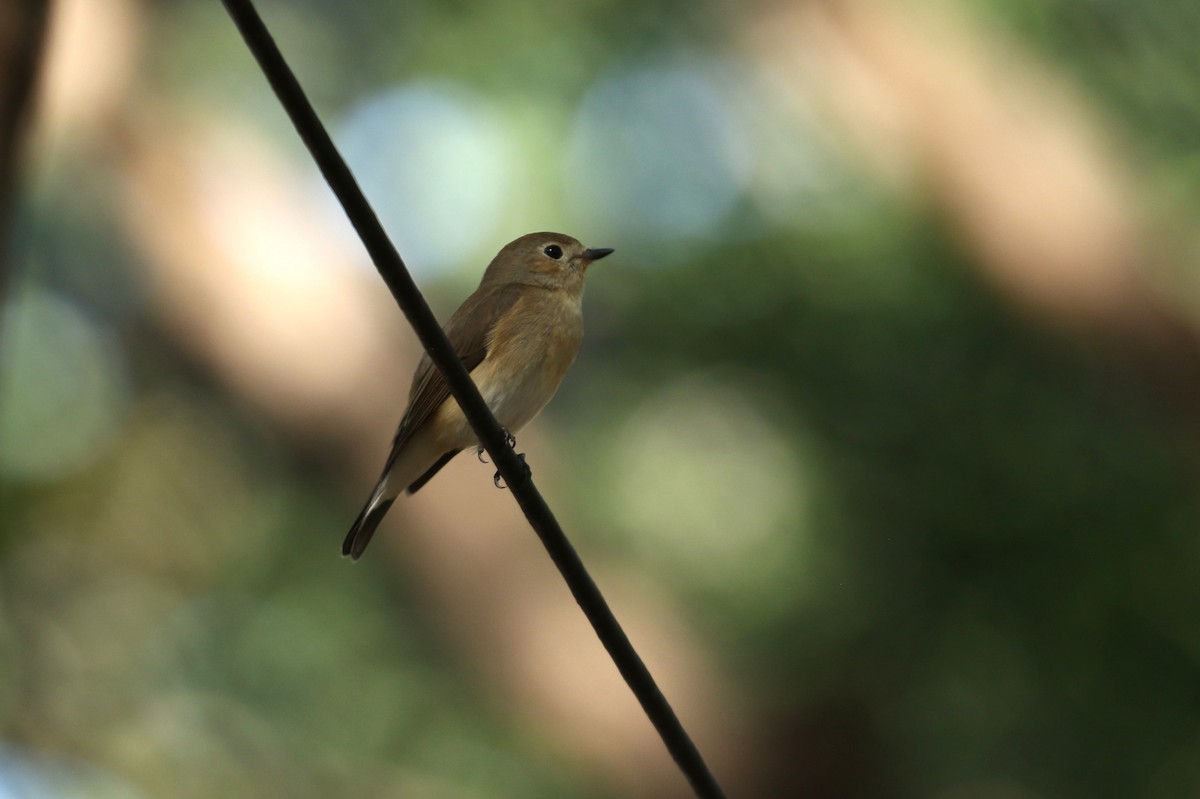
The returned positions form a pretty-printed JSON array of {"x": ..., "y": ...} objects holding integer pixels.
[{"x": 469, "y": 331}]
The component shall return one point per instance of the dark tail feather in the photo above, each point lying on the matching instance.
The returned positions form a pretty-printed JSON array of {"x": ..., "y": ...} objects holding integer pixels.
[
  {"x": 371, "y": 515},
  {"x": 364, "y": 527}
]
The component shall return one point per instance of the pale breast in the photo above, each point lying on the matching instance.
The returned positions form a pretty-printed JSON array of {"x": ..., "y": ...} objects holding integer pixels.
[{"x": 529, "y": 356}]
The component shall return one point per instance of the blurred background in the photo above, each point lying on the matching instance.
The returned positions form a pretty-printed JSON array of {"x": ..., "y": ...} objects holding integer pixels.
[{"x": 882, "y": 444}]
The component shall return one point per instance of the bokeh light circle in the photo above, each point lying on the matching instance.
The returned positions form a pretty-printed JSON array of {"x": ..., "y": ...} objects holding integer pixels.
[
  {"x": 434, "y": 160},
  {"x": 63, "y": 391},
  {"x": 660, "y": 150}
]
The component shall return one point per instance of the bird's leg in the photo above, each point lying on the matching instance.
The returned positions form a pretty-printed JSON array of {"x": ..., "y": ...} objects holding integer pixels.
[{"x": 511, "y": 440}]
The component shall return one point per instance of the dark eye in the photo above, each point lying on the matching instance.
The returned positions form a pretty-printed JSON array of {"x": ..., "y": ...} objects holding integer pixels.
[{"x": 553, "y": 251}]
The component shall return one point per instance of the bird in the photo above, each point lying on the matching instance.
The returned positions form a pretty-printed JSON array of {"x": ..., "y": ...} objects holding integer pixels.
[{"x": 517, "y": 335}]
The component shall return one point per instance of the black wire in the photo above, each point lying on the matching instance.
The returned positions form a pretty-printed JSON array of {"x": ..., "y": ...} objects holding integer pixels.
[{"x": 408, "y": 297}]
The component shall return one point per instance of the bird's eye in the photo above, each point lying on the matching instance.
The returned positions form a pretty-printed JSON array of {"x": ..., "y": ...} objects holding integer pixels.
[{"x": 553, "y": 251}]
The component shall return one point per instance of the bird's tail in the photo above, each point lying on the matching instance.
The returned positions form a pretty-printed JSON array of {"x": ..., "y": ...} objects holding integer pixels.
[
  {"x": 364, "y": 526},
  {"x": 408, "y": 468}
]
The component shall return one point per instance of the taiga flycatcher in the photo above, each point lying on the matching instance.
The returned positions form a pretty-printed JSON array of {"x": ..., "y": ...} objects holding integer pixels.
[{"x": 517, "y": 335}]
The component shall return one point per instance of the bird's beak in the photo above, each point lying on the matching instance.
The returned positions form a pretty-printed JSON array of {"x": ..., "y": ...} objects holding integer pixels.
[{"x": 596, "y": 253}]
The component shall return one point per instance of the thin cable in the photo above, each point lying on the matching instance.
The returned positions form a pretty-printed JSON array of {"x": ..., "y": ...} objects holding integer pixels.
[{"x": 394, "y": 273}]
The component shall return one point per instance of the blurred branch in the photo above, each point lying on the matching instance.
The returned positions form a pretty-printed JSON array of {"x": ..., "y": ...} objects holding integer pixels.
[
  {"x": 391, "y": 267},
  {"x": 1009, "y": 152},
  {"x": 22, "y": 35}
]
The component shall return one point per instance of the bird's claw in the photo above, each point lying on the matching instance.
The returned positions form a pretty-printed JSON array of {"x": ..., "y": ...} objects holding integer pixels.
[
  {"x": 509, "y": 439},
  {"x": 498, "y": 479}
]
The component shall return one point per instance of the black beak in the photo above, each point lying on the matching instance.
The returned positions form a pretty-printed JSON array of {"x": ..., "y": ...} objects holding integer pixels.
[{"x": 596, "y": 253}]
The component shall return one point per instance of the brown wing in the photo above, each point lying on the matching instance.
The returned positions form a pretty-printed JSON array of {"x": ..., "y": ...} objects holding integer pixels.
[{"x": 469, "y": 330}]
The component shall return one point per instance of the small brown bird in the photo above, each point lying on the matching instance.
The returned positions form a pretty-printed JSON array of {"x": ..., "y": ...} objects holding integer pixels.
[{"x": 517, "y": 335}]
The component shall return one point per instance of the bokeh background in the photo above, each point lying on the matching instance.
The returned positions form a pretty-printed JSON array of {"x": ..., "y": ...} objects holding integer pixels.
[{"x": 882, "y": 443}]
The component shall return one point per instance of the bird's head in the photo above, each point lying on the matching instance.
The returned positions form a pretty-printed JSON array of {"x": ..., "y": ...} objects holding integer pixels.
[{"x": 551, "y": 260}]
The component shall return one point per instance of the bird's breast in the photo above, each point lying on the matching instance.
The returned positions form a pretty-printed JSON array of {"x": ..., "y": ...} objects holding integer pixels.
[{"x": 531, "y": 349}]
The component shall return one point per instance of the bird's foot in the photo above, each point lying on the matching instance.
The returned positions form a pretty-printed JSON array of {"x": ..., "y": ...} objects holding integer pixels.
[
  {"x": 509, "y": 439},
  {"x": 498, "y": 479}
]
